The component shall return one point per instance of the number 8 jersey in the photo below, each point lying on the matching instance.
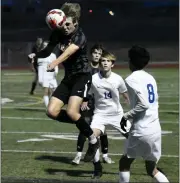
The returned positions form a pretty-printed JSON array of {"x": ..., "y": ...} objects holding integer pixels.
[
  {"x": 142, "y": 90},
  {"x": 106, "y": 93}
]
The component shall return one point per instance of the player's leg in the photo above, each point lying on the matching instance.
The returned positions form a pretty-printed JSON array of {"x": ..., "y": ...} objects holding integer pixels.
[
  {"x": 152, "y": 156},
  {"x": 81, "y": 138},
  {"x": 153, "y": 171},
  {"x": 34, "y": 83},
  {"x": 57, "y": 101},
  {"x": 46, "y": 96},
  {"x": 98, "y": 129},
  {"x": 81, "y": 84},
  {"x": 80, "y": 144},
  {"x": 104, "y": 149},
  {"x": 124, "y": 169}
]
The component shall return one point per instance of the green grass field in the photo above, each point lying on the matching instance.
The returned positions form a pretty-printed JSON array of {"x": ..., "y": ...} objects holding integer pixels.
[{"x": 24, "y": 120}]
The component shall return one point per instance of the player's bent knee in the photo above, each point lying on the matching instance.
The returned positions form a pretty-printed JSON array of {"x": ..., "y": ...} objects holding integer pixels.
[{"x": 52, "y": 113}]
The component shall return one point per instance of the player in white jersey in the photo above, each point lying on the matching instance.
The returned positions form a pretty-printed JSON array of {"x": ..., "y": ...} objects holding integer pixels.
[
  {"x": 46, "y": 79},
  {"x": 145, "y": 134},
  {"x": 106, "y": 88}
]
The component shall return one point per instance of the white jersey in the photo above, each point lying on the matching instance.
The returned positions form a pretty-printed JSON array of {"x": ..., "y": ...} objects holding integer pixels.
[
  {"x": 106, "y": 93},
  {"x": 142, "y": 90}
]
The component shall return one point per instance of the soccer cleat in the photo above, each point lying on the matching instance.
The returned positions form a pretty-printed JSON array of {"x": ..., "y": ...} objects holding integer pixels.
[
  {"x": 97, "y": 170},
  {"x": 108, "y": 160},
  {"x": 31, "y": 93},
  {"x": 91, "y": 152},
  {"x": 76, "y": 160}
]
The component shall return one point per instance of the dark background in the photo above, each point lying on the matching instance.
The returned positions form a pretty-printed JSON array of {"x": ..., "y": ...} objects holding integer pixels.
[{"x": 151, "y": 23}]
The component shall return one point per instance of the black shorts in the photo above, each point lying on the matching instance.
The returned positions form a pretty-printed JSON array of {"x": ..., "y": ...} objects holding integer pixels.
[{"x": 77, "y": 85}]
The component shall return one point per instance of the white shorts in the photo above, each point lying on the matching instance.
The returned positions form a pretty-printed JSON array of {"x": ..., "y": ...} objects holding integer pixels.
[
  {"x": 99, "y": 121},
  {"x": 148, "y": 147},
  {"x": 46, "y": 79},
  {"x": 40, "y": 74}
]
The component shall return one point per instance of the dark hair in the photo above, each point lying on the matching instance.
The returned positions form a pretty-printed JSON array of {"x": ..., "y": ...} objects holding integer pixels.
[
  {"x": 72, "y": 10},
  {"x": 139, "y": 57},
  {"x": 96, "y": 47}
]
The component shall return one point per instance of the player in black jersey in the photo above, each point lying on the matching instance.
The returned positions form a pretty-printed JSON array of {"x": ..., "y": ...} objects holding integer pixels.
[
  {"x": 36, "y": 48},
  {"x": 71, "y": 52},
  {"x": 87, "y": 109}
]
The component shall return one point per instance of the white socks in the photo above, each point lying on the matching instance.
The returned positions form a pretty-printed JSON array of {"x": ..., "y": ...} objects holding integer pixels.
[
  {"x": 79, "y": 154},
  {"x": 124, "y": 177},
  {"x": 105, "y": 155},
  {"x": 46, "y": 100},
  {"x": 96, "y": 158},
  {"x": 160, "y": 177}
]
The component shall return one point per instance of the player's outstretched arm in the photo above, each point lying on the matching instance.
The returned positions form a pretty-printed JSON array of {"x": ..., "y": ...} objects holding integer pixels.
[{"x": 70, "y": 50}]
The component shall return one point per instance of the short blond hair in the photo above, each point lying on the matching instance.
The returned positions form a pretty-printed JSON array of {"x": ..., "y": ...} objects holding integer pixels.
[
  {"x": 72, "y": 10},
  {"x": 108, "y": 55}
]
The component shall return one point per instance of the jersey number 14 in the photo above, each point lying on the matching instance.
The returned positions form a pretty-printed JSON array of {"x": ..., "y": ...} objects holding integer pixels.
[{"x": 151, "y": 95}]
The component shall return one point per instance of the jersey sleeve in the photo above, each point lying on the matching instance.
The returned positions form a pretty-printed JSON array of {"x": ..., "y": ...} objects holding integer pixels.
[
  {"x": 79, "y": 40},
  {"x": 122, "y": 86},
  {"x": 53, "y": 41},
  {"x": 141, "y": 103}
]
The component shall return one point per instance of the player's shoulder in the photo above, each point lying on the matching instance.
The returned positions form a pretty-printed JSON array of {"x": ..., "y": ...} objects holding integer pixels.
[
  {"x": 79, "y": 33},
  {"x": 116, "y": 76},
  {"x": 96, "y": 76}
]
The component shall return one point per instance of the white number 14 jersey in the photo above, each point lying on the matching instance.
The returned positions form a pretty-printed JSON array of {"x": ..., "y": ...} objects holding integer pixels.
[{"x": 106, "y": 93}]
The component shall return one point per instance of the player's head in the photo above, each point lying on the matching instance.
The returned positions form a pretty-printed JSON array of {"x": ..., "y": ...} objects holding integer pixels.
[
  {"x": 39, "y": 42},
  {"x": 96, "y": 52},
  {"x": 73, "y": 13},
  {"x": 138, "y": 58},
  {"x": 44, "y": 44},
  {"x": 107, "y": 61}
]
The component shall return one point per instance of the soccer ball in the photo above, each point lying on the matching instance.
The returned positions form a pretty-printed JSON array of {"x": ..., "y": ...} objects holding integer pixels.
[{"x": 55, "y": 18}]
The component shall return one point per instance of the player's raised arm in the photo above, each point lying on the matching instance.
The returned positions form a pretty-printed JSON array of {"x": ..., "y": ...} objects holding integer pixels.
[{"x": 77, "y": 42}]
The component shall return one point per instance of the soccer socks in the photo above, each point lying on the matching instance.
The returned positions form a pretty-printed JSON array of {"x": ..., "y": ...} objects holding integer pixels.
[
  {"x": 85, "y": 129},
  {"x": 80, "y": 142},
  {"x": 46, "y": 100},
  {"x": 33, "y": 87},
  {"x": 160, "y": 177},
  {"x": 63, "y": 117},
  {"x": 124, "y": 177},
  {"x": 104, "y": 144}
]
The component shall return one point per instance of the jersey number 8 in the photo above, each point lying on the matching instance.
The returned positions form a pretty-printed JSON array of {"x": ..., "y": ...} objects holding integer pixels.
[{"x": 151, "y": 93}]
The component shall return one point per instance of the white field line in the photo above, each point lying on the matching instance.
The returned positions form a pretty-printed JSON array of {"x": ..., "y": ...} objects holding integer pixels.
[
  {"x": 43, "y": 108},
  {"x": 18, "y": 74},
  {"x": 47, "y": 119},
  {"x": 110, "y": 132},
  {"x": 63, "y": 152}
]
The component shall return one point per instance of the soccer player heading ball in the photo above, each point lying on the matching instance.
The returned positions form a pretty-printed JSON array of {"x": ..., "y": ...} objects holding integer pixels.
[{"x": 68, "y": 46}]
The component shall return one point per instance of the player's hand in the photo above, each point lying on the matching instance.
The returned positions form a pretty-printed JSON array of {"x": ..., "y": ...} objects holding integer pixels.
[
  {"x": 84, "y": 106},
  {"x": 125, "y": 127},
  {"x": 32, "y": 55},
  {"x": 51, "y": 67}
]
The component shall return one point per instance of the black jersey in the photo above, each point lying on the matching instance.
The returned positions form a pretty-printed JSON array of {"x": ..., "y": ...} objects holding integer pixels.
[
  {"x": 76, "y": 63},
  {"x": 94, "y": 70}
]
